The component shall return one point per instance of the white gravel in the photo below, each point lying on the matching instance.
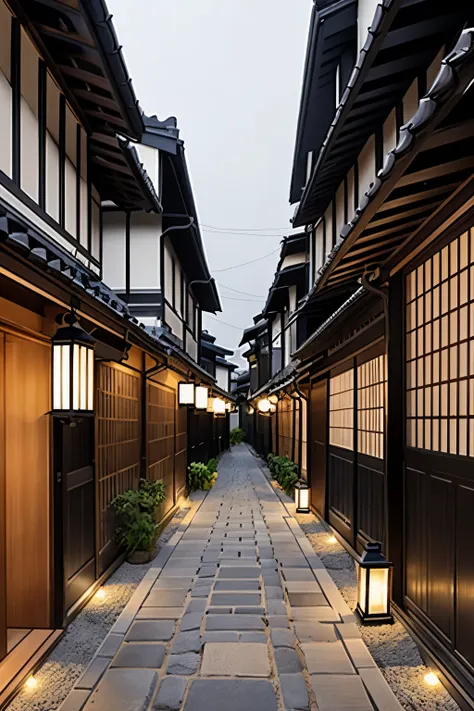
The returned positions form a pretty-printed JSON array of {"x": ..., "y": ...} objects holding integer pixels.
[{"x": 84, "y": 635}]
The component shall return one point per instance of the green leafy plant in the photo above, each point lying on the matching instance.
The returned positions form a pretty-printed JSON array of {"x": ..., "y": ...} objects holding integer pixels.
[
  {"x": 284, "y": 471},
  {"x": 201, "y": 477},
  {"x": 237, "y": 435},
  {"x": 212, "y": 465},
  {"x": 136, "y": 514}
]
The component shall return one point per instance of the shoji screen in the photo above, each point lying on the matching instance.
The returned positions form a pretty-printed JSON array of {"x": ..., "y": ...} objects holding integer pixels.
[
  {"x": 341, "y": 410},
  {"x": 440, "y": 350},
  {"x": 370, "y": 407}
]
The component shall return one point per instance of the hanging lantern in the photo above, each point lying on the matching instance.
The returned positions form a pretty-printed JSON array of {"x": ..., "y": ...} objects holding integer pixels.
[
  {"x": 200, "y": 397},
  {"x": 273, "y": 399},
  {"x": 250, "y": 410},
  {"x": 73, "y": 368},
  {"x": 218, "y": 407},
  {"x": 375, "y": 574},
  {"x": 264, "y": 406},
  {"x": 186, "y": 393},
  {"x": 228, "y": 406},
  {"x": 302, "y": 497}
]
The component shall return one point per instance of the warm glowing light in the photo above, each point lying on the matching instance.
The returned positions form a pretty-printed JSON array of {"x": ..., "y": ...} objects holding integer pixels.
[
  {"x": 218, "y": 406},
  {"x": 332, "y": 539},
  {"x": 201, "y": 396},
  {"x": 251, "y": 410},
  {"x": 302, "y": 497},
  {"x": 73, "y": 368},
  {"x": 431, "y": 679},
  {"x": 374, "y": 585},
  {"x": 186, "y": 393},
  {"x": 100, "y": 594},
  {"x": 273, "y": 399},
  {"x": 31, "y": 683},
  {"x": 264, "y": 405}
]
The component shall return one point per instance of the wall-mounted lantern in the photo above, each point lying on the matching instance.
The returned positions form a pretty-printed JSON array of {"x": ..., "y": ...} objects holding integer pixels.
[
  {"x": 302, "y": 498},
  {"x": 375, "y": 575},
  {"x": 273, "y": 399},
  {"x": 264, "y": 406},
  {"x": 201, "y": 397},
  {"x": 73, "y": 369},
  {"x": 186, "y": 393},
  {"x": 250, "y": 410},
  {"x": 218, "y": 407}
]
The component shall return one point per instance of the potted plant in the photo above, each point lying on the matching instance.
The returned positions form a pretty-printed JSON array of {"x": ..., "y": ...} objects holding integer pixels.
[
  {"x": 136, "y": 513},
  {"x": 237, "y": 435}
]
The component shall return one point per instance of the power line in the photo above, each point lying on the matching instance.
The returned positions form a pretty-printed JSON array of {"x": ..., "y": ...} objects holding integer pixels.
[
  {"x": 244, "y": 234},
  {"x": 244, "y": 264},
  {"x": 248, "y": 229},
  {"x": 235, "y": 298},
  {"x": 245, "y": 293},
  {"x": 225, "y": 323}
]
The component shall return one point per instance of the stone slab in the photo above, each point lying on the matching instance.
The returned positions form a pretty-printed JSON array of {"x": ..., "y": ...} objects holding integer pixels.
[
  {"x": 123, "y": 690},
  {"x": 324, "y": 613},
  {"x": 75, "y": 701},
  {"x": 110, "y": 645},
  {"x": 196, "y": 605},
  {"x": 359, "y": 653},
  {"x": 281, "y": 637},
  {"x": 151, "y": 631},
  {"x": 234, "y": 622},
  {"x": 227, "y": 659},
  {"x": 237, "y": 598},
  {"x": 379, "y": 690},
  {"x": 239, "y": 572},
  {"x": 278, "y": 621},
  {"x": 191, "y": 621},
  {"x": 159, "y": 613},
  {"x": 165, "y": 598},
  {"x": 338, "y": 692},
  {"x": 298, "y": 574},
  {"x": 273, "y": 592},
  {"x": 287, "y": 661},
  {"x": 327, "y": 658},
  {"x": 183, "y": 664},
  {"x": 233, "y": 585},
  {"x": 170, "y": 694},
  {"x": 186, "y": 642},
  {"x": 306, "y": 599},
  {"x": 302, "y": 586},
  {"x": 140, "y": 655},
  {"x": 295, "y": 694},
  {"x": 221, "y": 637},
  {"x": 257, "y": 637},
  {"x": 93, "y": 673},
  {"x": 308, "y": 631}
]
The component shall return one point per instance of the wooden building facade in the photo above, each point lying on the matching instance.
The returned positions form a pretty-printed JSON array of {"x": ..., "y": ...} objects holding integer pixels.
[
  {"x": 93, "y": 195},
  {"x": 383, "y": 181}
]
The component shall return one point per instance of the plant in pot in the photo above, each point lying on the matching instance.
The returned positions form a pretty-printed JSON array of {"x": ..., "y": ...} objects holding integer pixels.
[
  {"x": 237, "y": 435},
  {"x": 202, "y": 476},
  {"x": 136, "y": 516}
]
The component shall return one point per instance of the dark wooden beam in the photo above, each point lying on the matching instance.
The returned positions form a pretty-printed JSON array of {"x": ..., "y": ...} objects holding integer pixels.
[
  {"x": 85, "y": 76},
  {"x": 418, "y": 197}
]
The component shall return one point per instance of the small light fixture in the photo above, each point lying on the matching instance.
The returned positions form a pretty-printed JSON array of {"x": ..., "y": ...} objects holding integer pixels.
[
  {"x": 375, "y": 574},
  {"x": 273, "y": 399},
  {"x": 31, "y": 683},
  {"x": 251, "y": 410},
  {"x": 264, "y": 406},
  {"x": 73, "y": 369},
  {"x": 228, "y": 406},
  {"x": 431, "y": 679},
  {"x": 201, "y": 397},
  {"x": 186, "y": 393},
  {"x": 218, "y": 407},
  {"x": 302, "y": 498},
  {"x": 100, "y": 595},
  {"x": 332, "y": 540}
]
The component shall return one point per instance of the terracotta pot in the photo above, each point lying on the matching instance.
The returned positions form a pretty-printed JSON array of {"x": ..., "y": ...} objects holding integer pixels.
[{"x": 140, "y": 557}]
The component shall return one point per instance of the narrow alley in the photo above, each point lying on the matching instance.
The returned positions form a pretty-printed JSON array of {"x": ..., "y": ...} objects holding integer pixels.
[{"x": 239, "y": 613}]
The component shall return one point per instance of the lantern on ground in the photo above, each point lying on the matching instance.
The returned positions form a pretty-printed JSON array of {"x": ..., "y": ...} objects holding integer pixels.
[
  {"x": 302, "y": 497},
  {"x": 73, "y": 369},
  {"x": 375, "y": 574},
  {"x": 186, "y": 393},
  {"x": 264, "y": 406},
  {"x": 218, "y": 407},
  {"x": 200, "y": 397}
]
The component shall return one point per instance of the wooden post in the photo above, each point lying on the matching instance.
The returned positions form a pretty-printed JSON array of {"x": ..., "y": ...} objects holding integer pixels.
[
  {"x": 3, "y": 530},
  {"x": 394, "y": 435}
]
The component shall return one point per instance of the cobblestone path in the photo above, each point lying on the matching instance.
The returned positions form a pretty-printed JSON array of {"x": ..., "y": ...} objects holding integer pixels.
[{"x": 238, "y": 614}]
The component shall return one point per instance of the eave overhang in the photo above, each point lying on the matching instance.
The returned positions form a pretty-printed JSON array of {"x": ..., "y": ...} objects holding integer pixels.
[
  {"x": 250, "y": 334},
  {"x": 433, "y": 161},
  {"x": 225, "y": 363},
  {"x": 214, "y": 349},
  {"x": 403, "y": 40}
]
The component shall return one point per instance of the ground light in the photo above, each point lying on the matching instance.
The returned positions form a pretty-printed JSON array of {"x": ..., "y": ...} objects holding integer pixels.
[
  {"x": 431, "y": 679},
  {"x": 374, "y": 586},
  {"x": 302, "y": 497},
  {"x": 332, "y": 539},
  {"x": 100, "y": 594},
  {"x": 31, "y": 683}
]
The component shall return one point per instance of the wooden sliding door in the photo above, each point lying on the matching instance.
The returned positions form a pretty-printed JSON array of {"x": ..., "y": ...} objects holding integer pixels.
[
  {"x": 161, "y": 411},
  {"x": 318, "y": 403}
]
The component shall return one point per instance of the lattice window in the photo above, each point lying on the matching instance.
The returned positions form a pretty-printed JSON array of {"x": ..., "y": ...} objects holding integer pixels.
[
  {"x": 370, "y": 407},
  {"x": 161, "y": 407},
  {"x": 440, "y": 350},
  {"x": 285, "y": 427},
  {"x": 118, "y": 440},
  {"x": 341, "y": 410}
]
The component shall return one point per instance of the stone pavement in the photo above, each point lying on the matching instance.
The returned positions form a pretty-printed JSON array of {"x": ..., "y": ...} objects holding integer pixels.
[{"x": 238, "y": 614}]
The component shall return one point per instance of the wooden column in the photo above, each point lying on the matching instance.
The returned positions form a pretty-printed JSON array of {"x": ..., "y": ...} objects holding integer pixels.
[
  {"x": 394, "y": 434},
  {"x": 3, "y": 564}
]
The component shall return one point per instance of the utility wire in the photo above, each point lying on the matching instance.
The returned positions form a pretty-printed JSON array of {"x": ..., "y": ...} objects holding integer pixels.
[
  {"x": 235, "y": 298},
  {"x": 225, "y": 323},
  {"x": 245, "y": 293},
  {"x": 247, "y": 229},
  {"x": 244, "y": 264}
]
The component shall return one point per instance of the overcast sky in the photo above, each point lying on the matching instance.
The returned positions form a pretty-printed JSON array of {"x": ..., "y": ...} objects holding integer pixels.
[{"x": 231, "y": 72}]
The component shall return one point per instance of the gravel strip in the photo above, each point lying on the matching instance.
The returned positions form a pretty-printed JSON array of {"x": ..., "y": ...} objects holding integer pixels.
[
  {"x": 85, "y": 634},
  {"x": 393, "y": 649}
]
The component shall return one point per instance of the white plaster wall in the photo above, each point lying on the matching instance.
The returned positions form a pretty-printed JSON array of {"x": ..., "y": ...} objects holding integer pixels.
[
  {"x": 145, "y": 231},
  {"x": 293, "y": 259},
  {"x": 435, "y": 66},
  {"x": 173, "y": 322},
  {"x": 95, "y": 230},
  {"x": 5, "y": 123},
  {"x": 150, "y": 157},
  {"x": 276, "y": 331},
  {"x": 222, "y": 377},
  {"x": 28, "y": 118},
  {"x": 410, "y": 101},
  {"x": 365, "y": 16},
  {"x": 191, "y": 346},
  {"x": 328, "y": 217},
  {"x": 367, "y": 165},
  {"x": 114, "y": 249},
  {"x": 70, "y": 198},
  {"x": 340, "y": 208},
  {"x": 350, "y": 194},
  {"x": 319, "y": 250},
  {"x": 168, "y": 271},
  {"x": 390, "y": 133}
]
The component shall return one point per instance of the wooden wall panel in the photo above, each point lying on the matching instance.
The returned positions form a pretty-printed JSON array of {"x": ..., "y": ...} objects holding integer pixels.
[
  {"x": 118, "y": 448},
  {"x": 3, "y": 529},
  {"x": 465, "y": 572},
  {"x": 341, "y": 490},
  {"x": 285, "y": 427},
  {"x": 27, "y": 430},
  {"x": 161, "y": 410},
  {"x": 181, "y": 450},
  {"x": 370, "y": 501},
  {"x": 318, "y": 446}
]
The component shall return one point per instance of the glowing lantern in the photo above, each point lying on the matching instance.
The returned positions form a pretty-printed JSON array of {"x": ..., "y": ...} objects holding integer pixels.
[
  {"x": 73, "y": 368},
  {"x": 218, "y": 407},
  {"x": 201, "y": 397},
  {"x": 374, "y": 586},
  {"x": 264, "y": 406},
  {"x": 186, "y": 393},
  {"x": 302, "y": 497}
]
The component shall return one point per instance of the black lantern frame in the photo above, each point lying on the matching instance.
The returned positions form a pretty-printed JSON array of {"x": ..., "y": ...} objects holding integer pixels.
[
  {"x": 73, "y": 370},
  {"x": 302, "y": 494},
  {"x": 374, "y": 586}
]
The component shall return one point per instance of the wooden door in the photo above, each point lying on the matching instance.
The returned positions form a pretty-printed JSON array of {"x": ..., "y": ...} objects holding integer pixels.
[
  {"x": 75, "y": 506},
  {"x": 3, "y": 559},
  {"x": 318, "y": 451}
]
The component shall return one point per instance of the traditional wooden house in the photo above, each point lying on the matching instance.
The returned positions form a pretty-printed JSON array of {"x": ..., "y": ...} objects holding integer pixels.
[
  {"x": 383, "y": 178},
  {"x": 93, "y": 196}
]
